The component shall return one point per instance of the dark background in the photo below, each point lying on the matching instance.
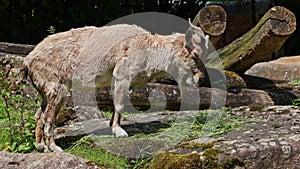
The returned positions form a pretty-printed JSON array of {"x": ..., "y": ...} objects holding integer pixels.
[{"x": 29, "y": 21}]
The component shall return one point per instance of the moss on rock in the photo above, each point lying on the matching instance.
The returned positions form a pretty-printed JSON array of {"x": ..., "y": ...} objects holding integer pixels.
[
  {"x": 207, "y": 159},
  {"x": 193, "y": 145}
]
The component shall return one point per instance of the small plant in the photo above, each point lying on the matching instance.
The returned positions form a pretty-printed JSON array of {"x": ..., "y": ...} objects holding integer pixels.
[
  {"x": 138, "y": 163},
  {"x": 296, "y": 102},
  {"x": 51, "y": 29},
  {"x": 107, "y": 114},
  {"x": 17, "y": 124}
]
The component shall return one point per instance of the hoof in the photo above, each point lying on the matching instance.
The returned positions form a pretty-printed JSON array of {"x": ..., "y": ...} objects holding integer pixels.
[
  {"x": 119, "y": 132},
  {"x": 41, "y": 147},
  {"x": 55, "y": 148}
]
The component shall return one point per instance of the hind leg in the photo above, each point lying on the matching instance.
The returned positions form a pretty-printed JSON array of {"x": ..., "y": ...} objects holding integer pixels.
[
  {"x": 48, "y": 119},
  {"x": 39, "y": 131}
]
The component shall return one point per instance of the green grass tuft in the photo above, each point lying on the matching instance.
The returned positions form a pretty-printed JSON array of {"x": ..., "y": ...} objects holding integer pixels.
[{"x": 215, "y": 122}]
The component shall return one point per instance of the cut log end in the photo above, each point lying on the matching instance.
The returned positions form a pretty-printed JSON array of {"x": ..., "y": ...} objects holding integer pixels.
[
  {"x": 212, "y": 19},
  {"x": 283, "y": 21}
]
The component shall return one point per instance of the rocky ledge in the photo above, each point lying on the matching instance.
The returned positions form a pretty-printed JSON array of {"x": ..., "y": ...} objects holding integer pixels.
[
  {"x": 44, "y": 161},
  {"x": 268, "y": 139}
]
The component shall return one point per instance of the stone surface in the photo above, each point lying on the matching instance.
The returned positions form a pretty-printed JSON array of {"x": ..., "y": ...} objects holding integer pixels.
[
  {"x": 44, "y": 161},
  {"x": 282, "y": 69},
  {"x": 268, "y": 139},
  {"x": 132, "y": 122}
]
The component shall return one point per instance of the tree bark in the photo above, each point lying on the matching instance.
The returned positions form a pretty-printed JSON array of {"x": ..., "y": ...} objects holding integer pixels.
[
  {"x": 15, "y": 48},
  {"x": 212, "y": 20},
  {"x": 139, "y": 97},
  {"x": 259, "y": 43}
]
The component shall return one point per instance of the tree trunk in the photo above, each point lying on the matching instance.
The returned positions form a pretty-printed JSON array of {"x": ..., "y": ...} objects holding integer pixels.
[
  {"x": 15, "y": 48},
  {"x": 212, "y": 20},
  {"x": 259, "y": 43},
  {"x": 139, "y": 97}
]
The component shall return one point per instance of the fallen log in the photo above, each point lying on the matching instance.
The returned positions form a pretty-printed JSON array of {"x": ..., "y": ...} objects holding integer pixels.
[
  {"x": 139, "y": 97},
  {"x": 259, "y": 43},
  {"x": 212, "y": 20},
  {"x": 14, "y": 48}
]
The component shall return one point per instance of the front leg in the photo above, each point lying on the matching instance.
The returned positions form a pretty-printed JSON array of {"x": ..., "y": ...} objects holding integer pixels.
[{"x": 120, "y": 89}]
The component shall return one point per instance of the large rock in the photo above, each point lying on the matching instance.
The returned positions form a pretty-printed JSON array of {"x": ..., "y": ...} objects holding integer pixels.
[
  {"x": 283, "y": 69},
  {"x": 267, "y": 139},
  {"x": 44, "y": 161}
]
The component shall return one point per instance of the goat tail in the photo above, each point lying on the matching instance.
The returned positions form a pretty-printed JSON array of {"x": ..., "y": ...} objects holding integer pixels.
[
  {"x": 25, "y": 71},
  {"x": 27, "y": 76}
]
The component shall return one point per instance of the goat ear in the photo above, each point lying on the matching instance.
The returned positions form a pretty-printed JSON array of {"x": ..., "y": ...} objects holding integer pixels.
[{"x": 195, "y": 40}]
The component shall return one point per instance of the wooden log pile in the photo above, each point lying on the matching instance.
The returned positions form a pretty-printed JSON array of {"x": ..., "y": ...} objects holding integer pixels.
[{"x": 257, "y": 45}]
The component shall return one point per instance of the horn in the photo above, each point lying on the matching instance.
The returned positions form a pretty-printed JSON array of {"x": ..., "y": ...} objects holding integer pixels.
[{"x": 196, "y": 28}]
